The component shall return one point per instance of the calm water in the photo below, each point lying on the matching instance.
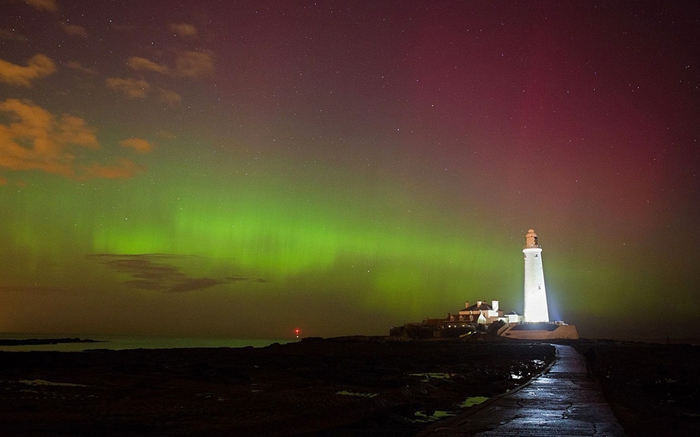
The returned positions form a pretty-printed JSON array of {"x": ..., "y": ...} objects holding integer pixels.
[{"x": 115, "y": 342}]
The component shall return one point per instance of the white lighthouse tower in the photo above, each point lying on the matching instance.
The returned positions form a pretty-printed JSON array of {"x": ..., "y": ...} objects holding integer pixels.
[{"x": 535, "y": 309}]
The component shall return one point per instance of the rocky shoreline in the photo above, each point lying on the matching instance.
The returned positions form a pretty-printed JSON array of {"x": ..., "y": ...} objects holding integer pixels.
[
  {"x": 346, "y": 386},
  {"x": 355, "y": 386}
]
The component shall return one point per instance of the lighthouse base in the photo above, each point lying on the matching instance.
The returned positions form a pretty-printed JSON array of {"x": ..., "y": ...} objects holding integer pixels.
[{"x": 540, "y": 331}]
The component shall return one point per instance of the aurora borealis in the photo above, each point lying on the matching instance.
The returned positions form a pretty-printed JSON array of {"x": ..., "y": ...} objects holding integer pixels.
[{"x": 213, "y": 168}]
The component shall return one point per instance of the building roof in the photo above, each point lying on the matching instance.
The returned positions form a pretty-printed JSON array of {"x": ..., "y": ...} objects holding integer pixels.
[
  {"x": 483, "y": 307},
  {"x": 432, "y": 322}
]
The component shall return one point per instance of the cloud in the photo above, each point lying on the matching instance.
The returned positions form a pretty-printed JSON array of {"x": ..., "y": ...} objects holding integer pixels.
[
  {"x": 137, "y": 144},
  {"x": 77, "y": 66},
  {"x": 123, "y": 169},
  {"x": 167, "y": 135},
  {"x": 170, "y": 97},
  {"x": 191, "y": 64},
  {"x": 38, "y": 66},
  {"x": 35, "y": 139},
  {"x": 182, "y": 29},
  {"x": 43, "y": 5},
  {"x": 154, "y": 272},
  {"x": 3, "y": 181},
  {"x": 133, "y": 88},
  {"x": 136, "y": 63},
  {"x": 72, "y": 29},
  {"x": 139, "y": 89},
  {"x": 194, "y": 64},
  {"x": 12, "y": 35}
]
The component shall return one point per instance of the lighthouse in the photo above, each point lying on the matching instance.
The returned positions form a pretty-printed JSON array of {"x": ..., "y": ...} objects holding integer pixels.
[{"x": 535, "y": 309}]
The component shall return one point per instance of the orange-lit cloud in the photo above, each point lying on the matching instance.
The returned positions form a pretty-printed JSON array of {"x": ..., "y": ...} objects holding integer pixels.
[
  {"x": 194, "y": 64},
  {"x": 72, "y": 29},
  {"x": 133, "y": 88},
  {"x": 35, "y": 139},
  {"x": 77, "y": 66},
  {"x": 38, "y": 66},
  {"x": 140, "y": 89},
  {"x": 170, "y": 97},
  {"x": 187, "y": 64},
  {"x": 124, "y": 169},
  {"x": 3, "y": 181},
  {"x": 43, "y": 5},
  {"x": 12, "y": 35},
  {"x": 137, "y": 63},
  {"x": 182, "y": 29},
  {"x": 137, "y": 144}
]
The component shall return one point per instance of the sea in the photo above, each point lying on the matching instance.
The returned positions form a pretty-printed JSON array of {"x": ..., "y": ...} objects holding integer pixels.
[{"x": 120, "y": 342}]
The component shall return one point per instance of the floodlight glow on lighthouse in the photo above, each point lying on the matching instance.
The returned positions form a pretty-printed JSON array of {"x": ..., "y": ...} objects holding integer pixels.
[{"x": 535, "y": 309}]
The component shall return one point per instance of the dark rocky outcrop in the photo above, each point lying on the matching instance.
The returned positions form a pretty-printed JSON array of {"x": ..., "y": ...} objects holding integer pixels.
[{"x": 348, "y": 386}]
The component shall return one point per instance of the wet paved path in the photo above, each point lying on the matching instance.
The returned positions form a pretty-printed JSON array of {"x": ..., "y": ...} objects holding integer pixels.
[{"x": 561, "y": 402}]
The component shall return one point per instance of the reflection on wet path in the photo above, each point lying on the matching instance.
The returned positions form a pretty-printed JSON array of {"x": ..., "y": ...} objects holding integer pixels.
[{"x": 562, "y": 402}]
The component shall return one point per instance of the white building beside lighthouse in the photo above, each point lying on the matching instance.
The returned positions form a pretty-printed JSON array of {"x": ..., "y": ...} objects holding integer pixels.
[
  {"x": 535, "y": 305},
  {"x": 482, "y": 318}
]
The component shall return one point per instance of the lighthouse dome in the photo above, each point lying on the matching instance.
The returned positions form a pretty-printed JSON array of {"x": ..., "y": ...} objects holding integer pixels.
[{"x": 531, "y": 239}]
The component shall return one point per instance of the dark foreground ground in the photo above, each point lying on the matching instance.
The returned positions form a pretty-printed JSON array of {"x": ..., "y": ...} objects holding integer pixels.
[
  {"x": 653, "y": 389},
  {"x": 347, "y": 387},
  {"x": 332, "y": 387}
]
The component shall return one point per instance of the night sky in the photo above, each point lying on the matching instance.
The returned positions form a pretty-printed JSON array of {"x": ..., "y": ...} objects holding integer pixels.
[{"x": 242, "y": 169}]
